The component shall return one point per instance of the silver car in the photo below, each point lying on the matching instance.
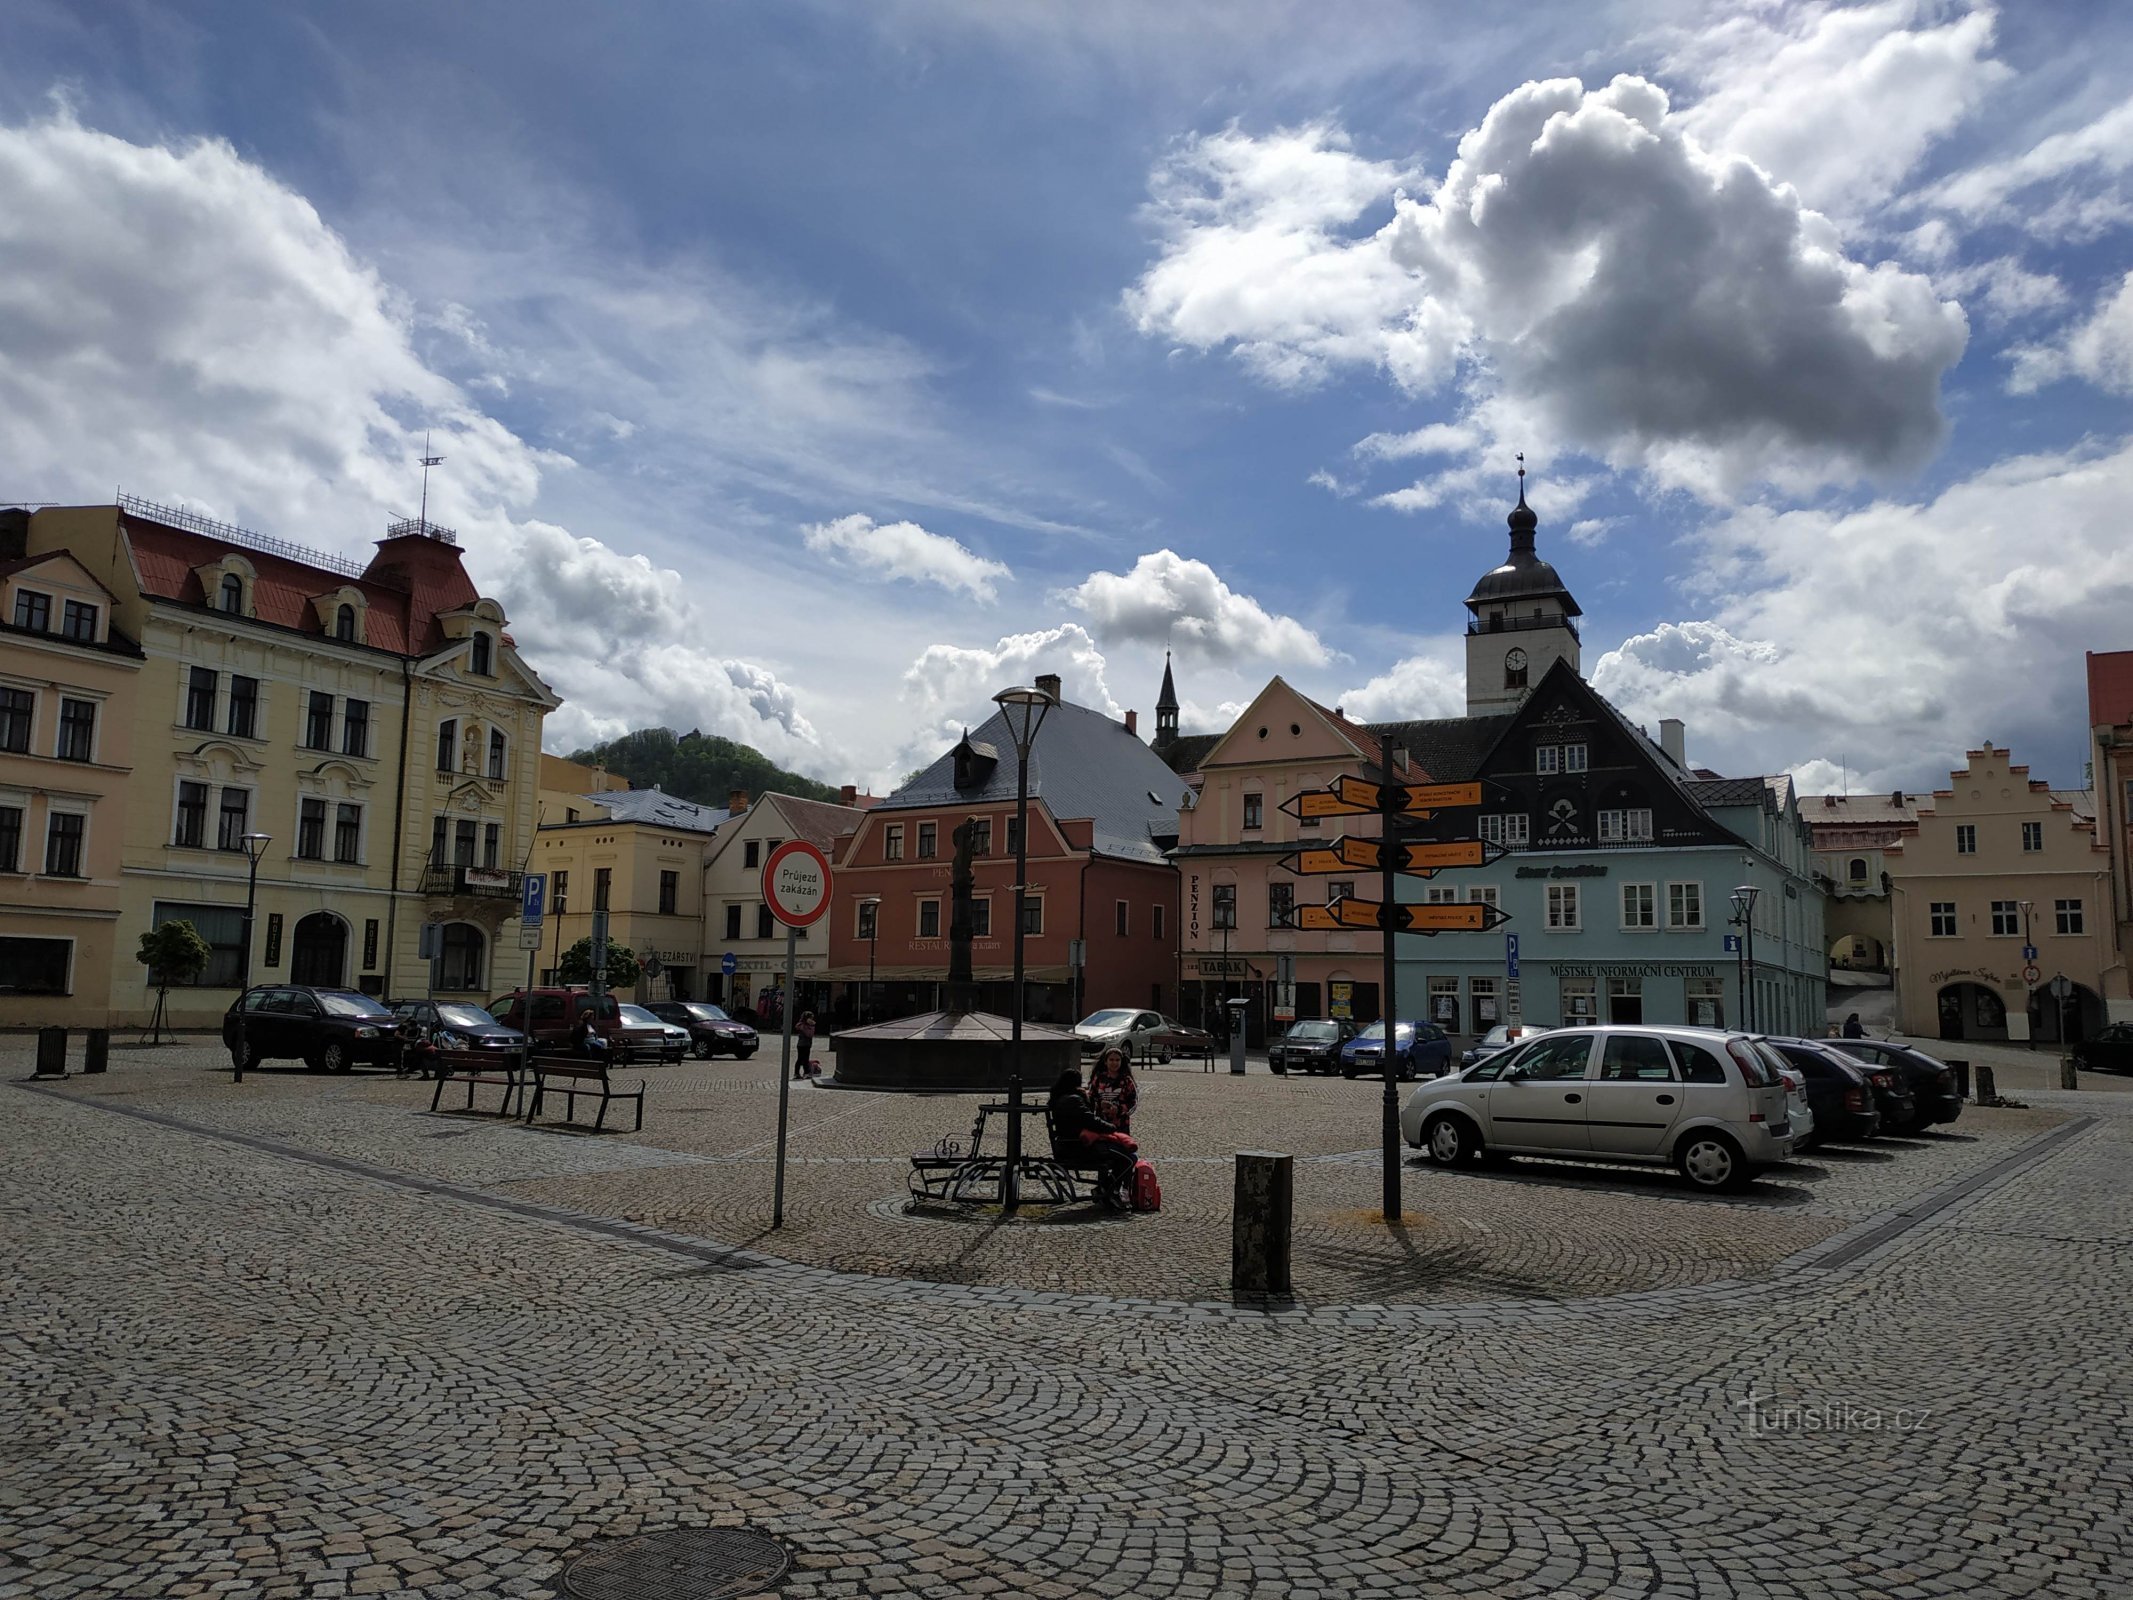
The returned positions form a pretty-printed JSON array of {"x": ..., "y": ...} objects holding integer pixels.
[
  {"x": 1701, "y": 1099},
  {"x": 1138, "y": 1033}
]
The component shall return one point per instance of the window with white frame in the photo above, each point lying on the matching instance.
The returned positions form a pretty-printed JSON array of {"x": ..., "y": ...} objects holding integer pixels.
[
  {"x": 2032, "y": 836},
  {"x": 892, "y": 842},
  {"x": 18, "y": 709},
  {"x": 1640, "y": 907},
  {"x": 1573, "y": 758},
  {"x": 929, "y": 919},
  {"x": 1684, "y": 905},
  {"x": 1632, "y": 825},
  {"x": 1563, "y": 907},
  {"x": 1965, "y": 839},
  {"x": 1339, "y": 889},
  {"x": 2068, "y": 913},
  {"x": 1548, "y": 758},
  {"x": 1487, "y": 894},
  {"x": 1511, "y": 829},
  {"x": 1440, "y": 895},
  {"x": 1280, "y": 905},
  {"x": 1254, "y": 809},
  {"x": 2006, "y": 918},
  {"x": 981, "y": 916},
  {"x": 1942, "y": 918}
]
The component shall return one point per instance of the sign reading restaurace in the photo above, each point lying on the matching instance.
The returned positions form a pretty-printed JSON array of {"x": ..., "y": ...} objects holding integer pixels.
[{"x": 796, "y": 884}]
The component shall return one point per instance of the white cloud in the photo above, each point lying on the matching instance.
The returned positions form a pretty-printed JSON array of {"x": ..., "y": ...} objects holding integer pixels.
[
  {"x": 1168, "y": 599},
  {"x": 2100, "y": 149},
  {"x": 1897, "y": 635},
  {"x": 1419, "y": 686},
  {"x": 949, "y": 688},
  {"x": 2099, "y": 349},
  {"x": 1649, "y": 302},
  {"x": 2005, "y": 288},
  {"x": 1840, "y": 101},
  {"x": 1589, "y": 533},
  {"x": 905, "y": 550}
]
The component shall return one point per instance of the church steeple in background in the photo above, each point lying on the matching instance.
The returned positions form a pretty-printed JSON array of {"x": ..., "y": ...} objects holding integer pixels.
[
  {"x": 1524, "y": 619},
  {"x": 1166, "y": 707}
]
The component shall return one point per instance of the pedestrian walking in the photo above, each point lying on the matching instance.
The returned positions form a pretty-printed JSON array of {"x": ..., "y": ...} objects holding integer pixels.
[
  {"x": 804, "y": 1059},
  {"x": 1112, "y": 1091}
]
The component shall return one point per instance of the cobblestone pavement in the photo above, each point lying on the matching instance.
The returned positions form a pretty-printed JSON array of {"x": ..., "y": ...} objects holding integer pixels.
[{"x": 309, "y": 1343}]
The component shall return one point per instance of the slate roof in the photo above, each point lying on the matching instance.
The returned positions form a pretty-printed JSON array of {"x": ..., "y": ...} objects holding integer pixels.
[
  {"x": 1188, "y": 751},
  {"x": 1082, "y": 765},
  {"x": 1728, "y": 791},
  {"x": 660, "y": 809},
  {"x": 1449, "y": 749}
]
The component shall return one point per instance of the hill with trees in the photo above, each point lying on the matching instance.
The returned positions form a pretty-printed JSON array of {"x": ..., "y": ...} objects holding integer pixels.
[{"x": 698, "y": 766}]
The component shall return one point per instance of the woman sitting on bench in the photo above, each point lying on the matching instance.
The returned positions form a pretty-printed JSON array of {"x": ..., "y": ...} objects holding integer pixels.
[{"x": 1083, "y": 1139}]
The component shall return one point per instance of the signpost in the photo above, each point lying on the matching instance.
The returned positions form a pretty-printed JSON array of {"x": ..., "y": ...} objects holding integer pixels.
[
  {"x": 1416, "y": 860},
  {"x": 796, "y": 886},
  {"x": 1357, "y": 797},
  {"x": 1475, "y": 916},
  {"x": 532, "y": 909}
]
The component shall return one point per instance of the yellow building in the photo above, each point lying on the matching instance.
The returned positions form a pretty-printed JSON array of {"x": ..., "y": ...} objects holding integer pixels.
[
  {"x": 369, "y": 728},
  {"x": 2000, "y": 865},
  {"x": 68, "y": 678}
]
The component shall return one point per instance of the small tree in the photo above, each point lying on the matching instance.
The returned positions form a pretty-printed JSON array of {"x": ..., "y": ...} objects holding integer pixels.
[
  {"x": 623, "y": 967},
  {"x": 173, "y": 953}
]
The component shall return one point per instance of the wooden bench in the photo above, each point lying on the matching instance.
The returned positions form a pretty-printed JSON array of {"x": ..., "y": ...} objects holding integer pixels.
[
  {"x": 574, "y": 1077},
  {"x": 482, "y": 1071},
  {"x": 947, "y": 1172}
]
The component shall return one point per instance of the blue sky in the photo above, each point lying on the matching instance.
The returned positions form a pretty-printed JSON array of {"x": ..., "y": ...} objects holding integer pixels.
[{"x": 806, "y": 372}]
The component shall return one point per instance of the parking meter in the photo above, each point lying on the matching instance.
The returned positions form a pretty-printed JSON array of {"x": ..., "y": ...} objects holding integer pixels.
[{"x": 1237, "y": 1009}]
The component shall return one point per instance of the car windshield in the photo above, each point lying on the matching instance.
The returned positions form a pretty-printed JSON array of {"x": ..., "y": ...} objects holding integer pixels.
[
  {"x": 351, "y": 1005},
  {"x": 1377, "y": 1031},
  {"x": 1109, "y": 1019},
  {"x": 704, "y": 1013},
  {"x": 464, "y": 1017},
  {"x": 1315, "y": 1032},
  {"x": 638, "y": 1015}
]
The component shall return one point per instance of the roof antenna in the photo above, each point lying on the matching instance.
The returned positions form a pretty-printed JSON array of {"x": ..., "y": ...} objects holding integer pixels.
[{"x": 429, "y": 461}]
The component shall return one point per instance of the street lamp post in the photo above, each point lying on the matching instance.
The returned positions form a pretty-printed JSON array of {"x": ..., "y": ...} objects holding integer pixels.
[
  {"x": 866, "y": 1008},
  {"x": 1024, "y": 711},
  {"x": 2029, "y": 939},
  {"x": 255, "y": 846},
  {"x": 1744, "y": 914}
]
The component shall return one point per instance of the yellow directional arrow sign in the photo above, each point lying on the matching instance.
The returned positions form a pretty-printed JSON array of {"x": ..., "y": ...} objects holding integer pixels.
[
  {"x": 1337, "y": 856},
  {"x": 1473, "y": 917},
  {"x": 1356, "y": 797}
]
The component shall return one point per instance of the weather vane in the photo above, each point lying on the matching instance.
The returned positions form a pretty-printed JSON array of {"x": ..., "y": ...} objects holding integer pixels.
[{"x": 429, "y": 461}]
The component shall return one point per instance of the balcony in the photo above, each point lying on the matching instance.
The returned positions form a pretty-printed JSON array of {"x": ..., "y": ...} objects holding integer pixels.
[
  {"x": 473, "y": 883},
  {"x": 1520, "y": 624}
]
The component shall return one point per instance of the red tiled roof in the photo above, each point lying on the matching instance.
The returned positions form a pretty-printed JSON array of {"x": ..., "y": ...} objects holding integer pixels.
[{"x": 1369, "y": 743}]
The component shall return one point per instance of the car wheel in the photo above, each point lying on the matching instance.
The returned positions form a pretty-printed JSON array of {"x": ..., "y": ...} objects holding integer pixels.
[
  {"x": 1712, "y": 1162},
  {"x": 1347, "y": 1072},
  {"x": 1163, "y": 1060},
  {"x": 742, "y": 1055},
  {"x": 1450, "y": 1140},
  {"x": 246, "y": 1058},
  {"x": 703, "y": 1049},
  {"x": 333, "y": 1056}
]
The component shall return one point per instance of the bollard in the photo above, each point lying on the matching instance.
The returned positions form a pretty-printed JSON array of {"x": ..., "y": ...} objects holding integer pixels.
[
  {"x": 1986, "y": 1093},
  {"x": 2069, "y": 1078},
  {"x": 1263, "y": 1204},
  {"x": 96, "y": 1047},
  {"x": 1961, "y": 1069},
  {"x": 51, "y": 1052}
]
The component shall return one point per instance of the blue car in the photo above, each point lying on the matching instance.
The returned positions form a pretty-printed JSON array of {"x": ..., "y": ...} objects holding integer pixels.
[{"x": 1420, "y": 1049}]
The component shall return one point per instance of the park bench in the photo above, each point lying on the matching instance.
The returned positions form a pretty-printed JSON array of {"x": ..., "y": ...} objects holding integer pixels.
[
  {"x": 571, "y": 1077},
  {"x": 948, "y": 1172},
  {"x": 507, "y": 1073}
]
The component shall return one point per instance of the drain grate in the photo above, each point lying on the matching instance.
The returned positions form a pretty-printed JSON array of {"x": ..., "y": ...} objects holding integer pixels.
[{"x": 683, "y": 1564}]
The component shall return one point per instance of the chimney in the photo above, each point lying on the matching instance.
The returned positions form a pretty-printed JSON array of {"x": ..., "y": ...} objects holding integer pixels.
[
  {"x": 1897, "y": 796},
  {"x": 1048, "y": 683},
  {"x": 848, "y": 795},
  {"x": 1133, "y": 723},
  {"x": 1673, "y": 739},
  {"x": 737, "y": 801}
]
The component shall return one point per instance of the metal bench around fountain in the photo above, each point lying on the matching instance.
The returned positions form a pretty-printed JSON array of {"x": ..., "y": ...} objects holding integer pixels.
[{"x": 950, "y": 1172}]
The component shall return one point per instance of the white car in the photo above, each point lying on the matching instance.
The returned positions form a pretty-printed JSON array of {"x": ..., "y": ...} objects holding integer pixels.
[
  {"x": 1701, "y": 1099},
  {"x": 1138, "y": 1033},
  {"x": 1799, "y": 1111}
]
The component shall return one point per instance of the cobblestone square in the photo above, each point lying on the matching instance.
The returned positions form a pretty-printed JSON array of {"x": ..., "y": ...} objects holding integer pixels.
[{"x": 302, "y": 1337}]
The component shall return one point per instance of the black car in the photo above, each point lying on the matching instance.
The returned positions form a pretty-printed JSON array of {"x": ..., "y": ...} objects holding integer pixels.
[
  {"x": 1932, "y": 1082},
  {"x": 329, "y": 1030},
  {"x": 1312, "y": 1046},
  {"x": 711, "y": 1031},
  {"x": 2110, "y": 1051},
  {"x": 450, "y": 1026},
  {"x": 1892, "y": 1089},
  {"x": 1838, "y": 1092}
]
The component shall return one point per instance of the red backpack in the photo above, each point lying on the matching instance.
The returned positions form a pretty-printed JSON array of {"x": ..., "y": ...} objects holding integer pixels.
[{"x": 1146, "y": 1192}]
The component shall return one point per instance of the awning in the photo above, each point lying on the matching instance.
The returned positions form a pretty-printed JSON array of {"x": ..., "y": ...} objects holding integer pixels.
[{"x": 978, "y": 974}]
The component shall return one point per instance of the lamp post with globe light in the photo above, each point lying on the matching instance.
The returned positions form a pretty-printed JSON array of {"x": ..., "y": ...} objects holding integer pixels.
[
  {"x": 1744, "y": 915},
  {"x": 1024, "y": 711},
  {"x": 255, "y": 846}
]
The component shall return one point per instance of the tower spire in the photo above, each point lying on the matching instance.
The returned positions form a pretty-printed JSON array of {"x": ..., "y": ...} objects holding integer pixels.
[{"x": 1166, "y": 706}]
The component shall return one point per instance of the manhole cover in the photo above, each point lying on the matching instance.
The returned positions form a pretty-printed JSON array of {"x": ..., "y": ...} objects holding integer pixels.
[{"x": 685, "y": 1564}]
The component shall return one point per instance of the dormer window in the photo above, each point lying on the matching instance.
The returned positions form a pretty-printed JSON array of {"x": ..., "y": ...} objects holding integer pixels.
[
  {"x": 974, "y": 763},
  {"x": 478, "y": 658},
  {"x": 1857, "y": 869},
  {"x": 344, "y": 623},
  {"x": 230, "y": 597}
]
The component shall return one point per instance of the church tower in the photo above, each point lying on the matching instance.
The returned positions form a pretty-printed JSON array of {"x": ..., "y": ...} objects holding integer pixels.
[
  {"x": 1166, "y": 708},
  {"x": 1523, "y": 622}
]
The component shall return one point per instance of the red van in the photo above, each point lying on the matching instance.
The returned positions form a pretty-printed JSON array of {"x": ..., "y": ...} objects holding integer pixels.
[{"x": 548, "y": 1016}]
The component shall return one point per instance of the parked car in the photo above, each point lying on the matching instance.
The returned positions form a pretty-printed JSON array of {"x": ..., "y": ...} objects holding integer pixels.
[
  {"x": 1310, "y": 1046},
  {"x": 1838, "y": 1089},
  {"x": 1892, "y": 1089},
  {"x": 711, "y": 1031},
  {"x": 329, "y": 1030},
  {"x": 2110, "y": 1051},
  {"x": 674, "y": 1041},
  {"x": 1704, "y": 1100},
  {"x": 1799, "y": 1109},
  {"x": 1134, "y": 1032},
  {"x": 454, "y": 1026},
  {"x": 548, "y": 1017},
  {"x": 1419, "y": 1049},
  {"x": 1932, "y": 1083},
  {"x": 1177, "y": 1038},
  {"x": 1500, "y": 1037}
]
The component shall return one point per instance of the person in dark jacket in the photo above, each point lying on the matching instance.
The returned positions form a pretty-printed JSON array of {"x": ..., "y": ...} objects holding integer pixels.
[
  {"x": 1853, "y": 1027},
  {"x": 1081, "y": 1139},
  {"x": 584, "y": 1041}
]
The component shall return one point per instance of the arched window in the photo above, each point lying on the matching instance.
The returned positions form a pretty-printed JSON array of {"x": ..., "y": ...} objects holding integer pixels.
[
  {"x": 480, "y": 657},
  {"x": 232, "y": 596},
  {"x": 460, "y": 963},
  {"x": 496, "y": 753},
  {"x": 344, "y": 623},
  {"x": 1857, "y": 870}
]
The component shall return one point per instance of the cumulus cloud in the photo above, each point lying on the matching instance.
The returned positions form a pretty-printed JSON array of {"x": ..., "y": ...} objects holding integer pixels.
[
  {"x": 905, "y": 550},
  {"x": 1419, "y": 686},
  {"x": 2099, "y": 348},
  {"x": 1896, "y": 635},
  {"x": 949, "y": 688},
  {"x": 1840, "y": 101},
  {"x": 2080, "y": 171},
  {"x": 1651, "y": 302},
  {"x": 1168, "y": 599}
]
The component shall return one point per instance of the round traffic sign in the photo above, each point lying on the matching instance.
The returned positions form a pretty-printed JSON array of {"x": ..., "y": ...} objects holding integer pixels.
[
  {"x": 729, "y": 963},
  {"x": 2030, "y": 975},
  {"x": 796, "y": 883}
]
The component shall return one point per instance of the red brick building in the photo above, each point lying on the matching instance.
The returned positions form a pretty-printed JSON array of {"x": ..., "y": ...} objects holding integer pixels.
[{"x": 1103, "y": 808}]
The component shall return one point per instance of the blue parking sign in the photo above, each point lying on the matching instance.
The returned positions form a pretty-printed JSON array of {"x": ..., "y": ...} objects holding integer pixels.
[
  {"x": 1510, "y": 955},
  {"x": 534, "y": 897}
]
